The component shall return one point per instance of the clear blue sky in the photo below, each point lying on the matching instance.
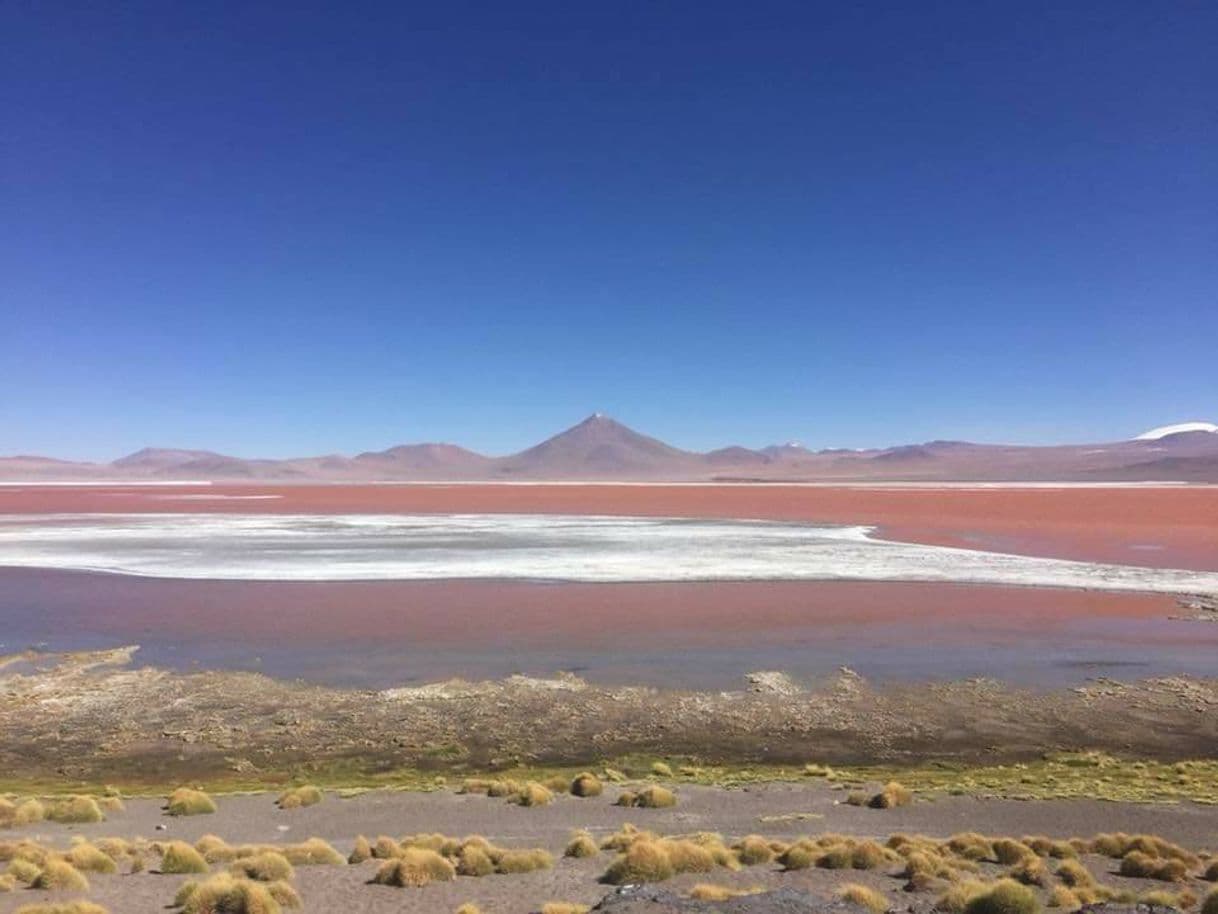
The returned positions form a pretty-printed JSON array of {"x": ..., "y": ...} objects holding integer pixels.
[{"x": 282, "y": 229}]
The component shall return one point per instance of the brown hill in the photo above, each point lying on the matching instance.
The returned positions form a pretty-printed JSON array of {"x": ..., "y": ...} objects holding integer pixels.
[
  {"x": 600, "y": 448},
  {"x": 426, "y": 460}
]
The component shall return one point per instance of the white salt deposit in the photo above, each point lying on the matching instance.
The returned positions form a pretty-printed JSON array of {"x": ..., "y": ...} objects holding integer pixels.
[{"x": 528, "y": 547}]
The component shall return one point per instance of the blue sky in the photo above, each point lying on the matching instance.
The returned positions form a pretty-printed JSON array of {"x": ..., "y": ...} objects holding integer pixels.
[{"x": 300, "y": 228}]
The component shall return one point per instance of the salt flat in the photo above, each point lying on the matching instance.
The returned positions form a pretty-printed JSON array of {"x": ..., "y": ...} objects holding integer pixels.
[{"x": 348, "y": 547}]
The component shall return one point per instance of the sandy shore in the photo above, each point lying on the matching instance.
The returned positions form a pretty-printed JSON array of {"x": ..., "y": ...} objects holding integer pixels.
[
  {"x": 1170, "y": 526},
  {"x": 733, "y": 813},
  {"x": 687, "y": 635}
]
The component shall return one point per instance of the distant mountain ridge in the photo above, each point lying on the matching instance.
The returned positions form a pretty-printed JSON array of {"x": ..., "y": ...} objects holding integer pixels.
[{"x": 602, "y": 449}]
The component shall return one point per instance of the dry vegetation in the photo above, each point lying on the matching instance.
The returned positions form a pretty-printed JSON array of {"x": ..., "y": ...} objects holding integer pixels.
[
  {"x": 60, "y": 876},
  {"x": 966, "y": 873},
  {"x": 413, "y": 868},
  {"x": 186, "y": 801},
  {"x": 76, "y": 810},
  {"x": 227, "y": 894},
  {"x": 418, "y": 860},
  {"x": 710, "y": 891},
  {"x": 180, "y": 857},
  {"x": 297, "y": 797},
  {"x": 869, "y": 898},
  {"x": 582, "y": 844},
  {"x": 587, "y": 784}
]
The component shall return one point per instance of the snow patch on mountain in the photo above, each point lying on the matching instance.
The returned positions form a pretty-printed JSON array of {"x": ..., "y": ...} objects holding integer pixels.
[{"x": 1179, "y": 428}]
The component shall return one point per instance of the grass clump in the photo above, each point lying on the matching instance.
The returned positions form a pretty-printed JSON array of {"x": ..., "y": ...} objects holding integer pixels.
[
  {"x": 971, "y": 846},
  {"x": 28, "y": 812},
  {"x": 313, "y": 852},
  {"x": 709, "y": 891},
  {"x": 1004, "y": 897},
  {"x": 504, "y": 788},
  {"x": 385, "y": 848},
  {"x": 655, "y": 797},
  {"x": 308, "y": 795},
  {"x": 582, "y": 844},
  {"x": 867, "y": 855},
  {"x": 116, "y": 848},
  {"x": 1030, "y": 871},
  {"x": 215, "y": 849},
  {"x": 626, "y": 836},
  {"x": 958, "y": 896},
  {"x": 689, "y": 856},
  {"x": 79, "y": 906},
  {"x": 521, "y": 860},
  {"x": 361, "y": 852},
  {"x": 268, "y": 866},
  {"x": 474, "y": 861},
  {"x": 564, "y": 907},
  {"x": 1065, "y": 898},
  {"x": 88, "y": 858},
  {"x": 283, "y": 893},
  {"x": 836, "y": 857},
  {"x": 184, "y": 893},
  {"x": 643, "y": 861},
  {"x": 869, "y": 898},
  {"x": 1210, "y": 904},
  {"x": 1141, "y": 865},
  {"x": 78, "y": 810},
  {"x": 661, "y": 769},
  {"x": 754, "y": 850},
  {"x": 186, "y": 801},
  {"x": 468, "y": 908},
  {"x": 1047, "y": 847},
  {"x": 23, "y": 871},
  {"x": 533, "y": 794},
  {"x": 1009, "y": 852},
  {"x": 587, "y": 785},
  {"x": 226, "y": 894},
  {"x": 60, "y": 875},
  {"x": 416, "y": 867},
  {"x": 647, "y": 858},
  {"x": 1073, "y": 874},
  {"x": 180, "y": 857},
  {"x": 799, "y": 856},
  {"x": 891, "y": 796}
]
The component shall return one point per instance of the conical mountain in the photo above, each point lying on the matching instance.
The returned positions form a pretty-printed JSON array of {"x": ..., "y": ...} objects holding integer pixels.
[{"x": 598, "y": 447}]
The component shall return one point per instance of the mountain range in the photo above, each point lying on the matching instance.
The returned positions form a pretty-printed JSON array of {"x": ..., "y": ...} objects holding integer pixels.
[{"x": 602, "y": 449}]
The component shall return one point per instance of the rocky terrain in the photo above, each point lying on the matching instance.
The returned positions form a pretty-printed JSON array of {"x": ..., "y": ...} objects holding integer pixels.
[{"x": 98, "y": 717}]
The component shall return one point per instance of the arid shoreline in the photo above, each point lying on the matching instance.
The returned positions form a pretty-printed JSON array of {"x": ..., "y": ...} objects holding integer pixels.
[{"x": 92, "y": 718}]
